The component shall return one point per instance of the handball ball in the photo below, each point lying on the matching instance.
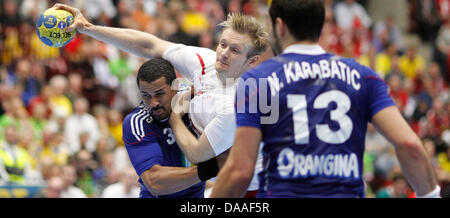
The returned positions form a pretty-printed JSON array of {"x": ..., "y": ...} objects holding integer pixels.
[{"x": 51, "y": 27}]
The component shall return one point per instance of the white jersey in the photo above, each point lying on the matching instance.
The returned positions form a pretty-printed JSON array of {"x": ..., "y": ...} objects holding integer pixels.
[{"x": 211, "y": 111}]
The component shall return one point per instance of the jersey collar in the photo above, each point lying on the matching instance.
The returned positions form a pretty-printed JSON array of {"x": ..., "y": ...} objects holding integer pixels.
[{"x": 305, "y": 49}]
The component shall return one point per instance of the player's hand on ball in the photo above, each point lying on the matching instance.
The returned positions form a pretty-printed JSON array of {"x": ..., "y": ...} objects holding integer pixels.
[
  {"x": 80, "y": 22},
  {"x": 180, "y": 103}
]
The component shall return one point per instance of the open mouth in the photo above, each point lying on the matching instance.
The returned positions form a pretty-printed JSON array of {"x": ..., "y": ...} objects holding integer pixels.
[{"x": 157, "y": 111}]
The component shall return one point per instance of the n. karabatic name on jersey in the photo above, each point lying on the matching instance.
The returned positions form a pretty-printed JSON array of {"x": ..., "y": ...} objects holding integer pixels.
[{"x": 324, "y": 69}]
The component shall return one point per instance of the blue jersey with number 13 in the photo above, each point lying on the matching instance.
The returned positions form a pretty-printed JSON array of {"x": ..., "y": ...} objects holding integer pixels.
[{"x": 315, "y": 147}]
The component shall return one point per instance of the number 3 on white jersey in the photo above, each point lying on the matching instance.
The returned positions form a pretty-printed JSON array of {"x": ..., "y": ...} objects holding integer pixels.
[{"x": 298, "y": 104}]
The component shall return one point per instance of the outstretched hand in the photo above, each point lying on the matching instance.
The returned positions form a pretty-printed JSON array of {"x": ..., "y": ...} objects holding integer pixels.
[{"x": 80, "y": 22}]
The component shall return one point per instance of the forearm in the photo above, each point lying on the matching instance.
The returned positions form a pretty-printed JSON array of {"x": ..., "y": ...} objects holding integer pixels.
[
  {"x": 409, "y": 149},
  {"x": 416, "y": 167},
  {"x": 168, "y": 180},
  {"x": 132, "y": 41},
  {"x": 188, "y": 143},
  {"x": 238, "y": 171},
  {"x": 231, "y": 182}
]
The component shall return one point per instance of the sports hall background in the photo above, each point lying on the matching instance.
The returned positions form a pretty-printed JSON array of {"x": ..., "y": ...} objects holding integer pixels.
[{"x": 41, "y": 88}]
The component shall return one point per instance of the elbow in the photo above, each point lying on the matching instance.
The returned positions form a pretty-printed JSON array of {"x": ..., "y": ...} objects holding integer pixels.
[
  {"x": 412, "y": 148},
  {"x": 145, "y": 52},
  {"x": 195, "y": 159},
  {"x": 241, "y": 174},
  {"x": 152, "y": 181},
  {"x": 198, "y": 155},
  {"x": 153, "y": 186}
]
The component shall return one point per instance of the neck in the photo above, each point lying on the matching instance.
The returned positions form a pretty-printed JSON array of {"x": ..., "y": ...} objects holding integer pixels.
[
  {"x": 227, "y": 79},
  {"x": 288, "y": 43}
]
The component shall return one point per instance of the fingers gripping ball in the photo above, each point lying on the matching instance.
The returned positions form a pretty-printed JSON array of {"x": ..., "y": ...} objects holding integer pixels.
[{"x": 51, "y": 27}]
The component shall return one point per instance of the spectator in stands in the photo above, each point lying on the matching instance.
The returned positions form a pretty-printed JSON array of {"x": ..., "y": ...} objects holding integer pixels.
[
  {"x": 55, "y": 187},
  {"x": 411, "y": 62},
  {"x": 426, "y": 19},
  {"x": 69, "y": 176},
  {"x": 398, "y": 189},
  {"x": 85, "y": 166},
  {"x": 14, "y": 160},
  {"x": 58, "y": 102},
  {"x": 39, "y": 120},
  {"x": 95, "y": 8},
  {"x": 441, "y": 53},
  {"x": 115, "y": 126},
  {"x": 120, "y": 66},
  {"x": 349, "y": 12},
  {"x": 384, "y": 59},
  {"x": 54, "y": 148},
  {"x": 75, "y": 86},
  {"x": 139, "y": 15},
  {"x": 81, "y": 122},
  {"x": 29, "y": 82},
  {"x": 128, "y": 187},
  {"x": 397, "y": 91},
  {"x": 387, "y": 32}
]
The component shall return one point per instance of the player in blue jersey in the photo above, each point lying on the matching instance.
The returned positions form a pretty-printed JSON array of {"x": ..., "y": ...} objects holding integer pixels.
[
  {"x": 313, "y": 144},
  {"x": 162, "y": 167}
]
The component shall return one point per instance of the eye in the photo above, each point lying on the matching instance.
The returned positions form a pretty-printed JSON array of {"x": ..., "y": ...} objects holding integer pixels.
[
  {"x": 146, "y": 96},
  {"x": 159, "y": 94},
  {"x": 222, "y": 44}
]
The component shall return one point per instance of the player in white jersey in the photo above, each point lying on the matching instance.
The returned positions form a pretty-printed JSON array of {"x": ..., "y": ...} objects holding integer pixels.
[{"x": 212, "y": 109}]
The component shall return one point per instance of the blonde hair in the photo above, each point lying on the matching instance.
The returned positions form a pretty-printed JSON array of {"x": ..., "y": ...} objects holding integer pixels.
[{"x": 248, "y": 25}]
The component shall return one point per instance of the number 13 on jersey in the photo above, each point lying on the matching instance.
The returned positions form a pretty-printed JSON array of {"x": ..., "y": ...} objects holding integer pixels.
[{"x": 298, "y": 104}]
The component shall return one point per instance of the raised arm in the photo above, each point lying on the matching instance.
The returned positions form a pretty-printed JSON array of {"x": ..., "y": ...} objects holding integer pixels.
[
  {"x": 409, "y": 150},
  {"x": 136, "y": 42}
]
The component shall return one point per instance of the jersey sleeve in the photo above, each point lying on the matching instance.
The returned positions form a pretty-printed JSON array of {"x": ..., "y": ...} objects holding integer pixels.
[
  {"x": 246, "y": 105},
  {"x": 378, "y": 94},
  {"x": 220, "y": 130},
  {"x": 190, "y": 61},
  {"x": 141, "y": 143}
]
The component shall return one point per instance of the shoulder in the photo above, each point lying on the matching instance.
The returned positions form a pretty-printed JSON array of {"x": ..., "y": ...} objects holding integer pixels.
[
  {"x": 264, "y": 69},
  {"x": 182, "y": 49},
  {"x": 136, "y": 125},
  {"x": 366, "y": 72}
]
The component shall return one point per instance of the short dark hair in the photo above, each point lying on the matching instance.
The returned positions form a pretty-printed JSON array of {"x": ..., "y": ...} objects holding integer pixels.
[
  {"x": 304, "y": 18},
  {"x": 154, "y": 69}
]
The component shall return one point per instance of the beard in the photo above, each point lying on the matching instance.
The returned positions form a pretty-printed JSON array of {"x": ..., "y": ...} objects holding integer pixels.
[
  {"x": 275, "y": 45},
  {"x": 161, "y": 116}
]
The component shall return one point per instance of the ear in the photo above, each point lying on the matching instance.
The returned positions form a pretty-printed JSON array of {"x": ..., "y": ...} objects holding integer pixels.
[
  {"x": 253, "y": 61},
  {"x": 280, "y": 28}
]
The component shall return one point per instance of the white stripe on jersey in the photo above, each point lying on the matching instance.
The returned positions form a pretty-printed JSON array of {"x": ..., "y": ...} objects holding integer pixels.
[
  {"x": 134, "y": 124},
  {"x": 142, "y": 125}
]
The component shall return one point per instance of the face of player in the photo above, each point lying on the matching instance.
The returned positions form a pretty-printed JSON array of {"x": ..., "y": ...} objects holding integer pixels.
[
  {"x": 157, "y": 97},
  {"x": 231, "y": 53}
]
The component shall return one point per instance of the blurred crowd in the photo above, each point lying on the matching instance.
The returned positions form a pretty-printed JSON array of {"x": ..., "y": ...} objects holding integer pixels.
[{"x": 61, "y": 109}]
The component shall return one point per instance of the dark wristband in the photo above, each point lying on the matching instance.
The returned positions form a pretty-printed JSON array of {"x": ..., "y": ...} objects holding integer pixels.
[{"x": 207, "y": 169}]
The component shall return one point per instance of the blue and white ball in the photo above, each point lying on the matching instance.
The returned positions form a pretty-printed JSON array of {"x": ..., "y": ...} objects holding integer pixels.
[{"x": 51, "y": 27}]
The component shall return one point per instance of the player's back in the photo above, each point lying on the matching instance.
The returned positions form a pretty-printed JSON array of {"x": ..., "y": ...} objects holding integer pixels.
[{"x": 315, "y": 148}]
